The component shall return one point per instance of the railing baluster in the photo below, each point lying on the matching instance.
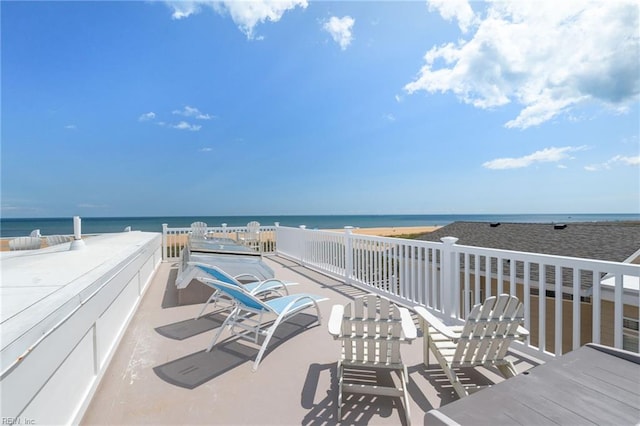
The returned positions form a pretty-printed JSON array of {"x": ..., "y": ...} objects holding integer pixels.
[
  {"x": 542, "y": 308},
  {"x": 558, "y": 314},
  {"x": 527, "y": 297},
  {"x": 487, "y": 277},
  {"x": 618, "y": 312},
  {"x": 577, "y": 291}
]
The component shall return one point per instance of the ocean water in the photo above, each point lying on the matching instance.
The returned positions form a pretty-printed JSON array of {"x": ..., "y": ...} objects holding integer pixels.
[{"x": 95, "y": 225}]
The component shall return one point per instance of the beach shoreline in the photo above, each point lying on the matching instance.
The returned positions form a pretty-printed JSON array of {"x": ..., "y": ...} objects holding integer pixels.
[{"x": 391, "y": 231}]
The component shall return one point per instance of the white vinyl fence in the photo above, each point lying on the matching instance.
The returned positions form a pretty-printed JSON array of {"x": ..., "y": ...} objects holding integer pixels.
[
  {"x": 174, "y": 239},
  {"x": 594, "y": 299}
]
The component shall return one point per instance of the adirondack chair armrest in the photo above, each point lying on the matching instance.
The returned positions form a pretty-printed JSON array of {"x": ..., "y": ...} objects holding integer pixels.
[
  {"x": 522, "y": 333},
  {"x": 335, "y": 320},
  {"x": 408, "y": 327},
  {"x": 435, "y": 322}
]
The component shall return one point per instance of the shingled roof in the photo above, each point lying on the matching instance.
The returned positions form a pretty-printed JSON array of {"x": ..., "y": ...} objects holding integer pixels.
[{"x": 613, "y": 241}]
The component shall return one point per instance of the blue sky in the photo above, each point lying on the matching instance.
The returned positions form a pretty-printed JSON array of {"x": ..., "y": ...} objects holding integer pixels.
[{"x": 295, "y": 107}]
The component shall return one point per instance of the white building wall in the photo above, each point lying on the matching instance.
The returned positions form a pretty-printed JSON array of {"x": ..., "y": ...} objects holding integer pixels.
[{"x": 54, "y": 382}]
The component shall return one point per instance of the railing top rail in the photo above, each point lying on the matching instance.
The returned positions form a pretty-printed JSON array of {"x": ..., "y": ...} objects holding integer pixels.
[
  {"x": 220, "y": 228},
  {"x": 593, "y": 264},
  {"x": 541, "y": 258}
]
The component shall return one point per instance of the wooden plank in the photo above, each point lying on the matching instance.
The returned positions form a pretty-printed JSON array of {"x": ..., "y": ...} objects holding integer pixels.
[{"x": 586, "y": 386}]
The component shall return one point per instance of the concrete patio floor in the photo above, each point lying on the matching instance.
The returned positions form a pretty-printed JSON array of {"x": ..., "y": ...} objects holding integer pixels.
[{"x": 160, "y": 373}]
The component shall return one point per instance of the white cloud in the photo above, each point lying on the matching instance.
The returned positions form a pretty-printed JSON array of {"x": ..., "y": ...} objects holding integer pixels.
[
  {"x": 454, "y": 9},
  {"x": 193, "y": 112},
  {"x": 245, "y": 14},
  {"x": 340, "y": 30},
  {"x": 71, "y": 127},
  {"x": 618, "y": 159},
  {"x": 549, "y": 57},
  {"x": 149, "y": 116},
  {"x": 184, "y": 9},
  {"x": 547, "y": 155},
  {"x": 206, "y": 149},
  {"x": 183, "y": 125}
]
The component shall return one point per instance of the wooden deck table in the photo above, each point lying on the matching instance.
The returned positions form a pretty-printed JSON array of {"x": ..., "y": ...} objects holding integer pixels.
[{"x": 592, "y": 385}]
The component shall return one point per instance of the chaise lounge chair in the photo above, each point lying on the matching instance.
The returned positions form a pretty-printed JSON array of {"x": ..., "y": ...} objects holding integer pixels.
[
  {"x": 25, "y": 243},
  {"x": 252, "y": 315},
  {"x": 371, "y": 329},
  {"x": 255, "y": 286},
  {"x": 53, "y": 240},
  {"x": 482, "y": 341}
]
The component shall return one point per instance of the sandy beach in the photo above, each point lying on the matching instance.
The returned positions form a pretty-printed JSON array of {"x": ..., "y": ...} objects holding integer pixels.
[{"x": 392, "y": 231}]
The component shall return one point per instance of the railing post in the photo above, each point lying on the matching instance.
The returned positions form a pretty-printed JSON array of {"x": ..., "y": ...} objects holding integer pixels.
[
  {"x": 303, "y": 245},
  {"x": 348, "y": 254},
  {"x": 275, "y": 238},
  {"x": 164, "y": 241},
  {"x": 449, "y": 290}
]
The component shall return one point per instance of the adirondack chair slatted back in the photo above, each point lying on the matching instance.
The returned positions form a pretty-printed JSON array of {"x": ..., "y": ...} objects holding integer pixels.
[
  {"x": 253, "y": 227},
  {"x": 372, "y": 331},
  {"x": 198, "y": 230},
  {"x": 488, "y": 331}
]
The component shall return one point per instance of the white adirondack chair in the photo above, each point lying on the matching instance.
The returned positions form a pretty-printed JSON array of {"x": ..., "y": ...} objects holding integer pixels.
[
  {"x": 371, "y": 329},
  {"x": 198, "y": 230},
  {"x": 483, "y": 340},
  {"x": 251, "y": 237}
]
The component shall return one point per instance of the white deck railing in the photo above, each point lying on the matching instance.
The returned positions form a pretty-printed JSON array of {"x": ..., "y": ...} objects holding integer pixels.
[
  {"x": 174, "y": 239},
  {"x": 448, "y": 278},
  {"x": 594, "y": 298}
]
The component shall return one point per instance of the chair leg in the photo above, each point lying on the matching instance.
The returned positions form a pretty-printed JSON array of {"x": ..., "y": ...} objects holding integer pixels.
[
  {"x": 457, "y": 385},
  {"x": 508, "y": 370},
  {"x": 213, "y": 297},
  {"x": 230, "y": 317},
  {"x": 272, "y": 329},
  {"x": 340, "y": 379},
  {"x": 405, "y": 395}
]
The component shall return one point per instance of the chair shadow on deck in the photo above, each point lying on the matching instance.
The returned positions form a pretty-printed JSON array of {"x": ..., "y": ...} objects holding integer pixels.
[
  {"x": 320, "y": 400},
  {"x": 357, "y": 408},
  {"x": 437, "y": 379},
  {"x": 170, "y": 296},
  {"x": 188, "y": 328},
  {"x": 200, "y": 367}
]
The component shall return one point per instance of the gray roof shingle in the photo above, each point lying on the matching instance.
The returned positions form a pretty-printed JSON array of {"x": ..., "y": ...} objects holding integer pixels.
[{"x": 612, "y": 241}]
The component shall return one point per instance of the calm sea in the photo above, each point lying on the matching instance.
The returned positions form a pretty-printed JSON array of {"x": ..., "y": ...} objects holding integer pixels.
[{"x": 95, "y": 225}]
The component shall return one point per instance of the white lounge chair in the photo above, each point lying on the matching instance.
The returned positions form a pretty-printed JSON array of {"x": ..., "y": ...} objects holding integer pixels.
[
  {"x": 25, "y": 243},
  {"x": 253, "y": 317},
  {"x": 371, "y": 329},
  {"x": 198, "y": 230},
  {"x": 255, "y": 286},
  {"x": 483, "y": 340}
]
